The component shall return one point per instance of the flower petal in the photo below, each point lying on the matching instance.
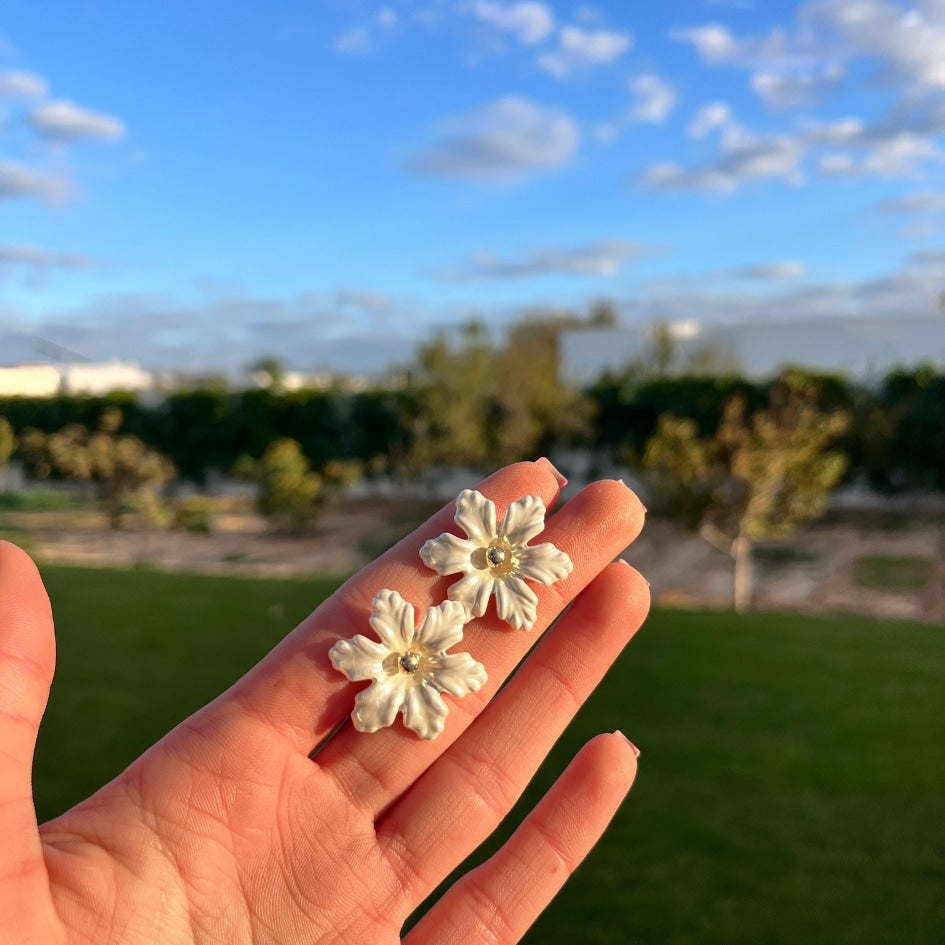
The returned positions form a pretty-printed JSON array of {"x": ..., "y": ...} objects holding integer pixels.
[
  {"x": 424, "y": 711},
  {"x": 358, "y": 658},
  {"x": 544, "y": 563},
  {"x": 458, "y": 674},
  {"x": 442, "y": 626},
  {"x": 377, "y": 706},
  {"x": 523, "y": 520},
  {"x": 516, "y": 603},
  {"x": 393, "y": 619},
  {"x": 473, "y": 591},
  {"x": 447, "y": 554},
  {"x": 475, "y": 515}
]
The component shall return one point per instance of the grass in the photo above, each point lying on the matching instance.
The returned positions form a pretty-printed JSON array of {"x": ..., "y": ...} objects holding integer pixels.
[
  {"x": 790, "y": 787},
  {"x": 35, "y": 500},
  {"x": 892, "y": 572},
  {"x": 140, "y": 650}
]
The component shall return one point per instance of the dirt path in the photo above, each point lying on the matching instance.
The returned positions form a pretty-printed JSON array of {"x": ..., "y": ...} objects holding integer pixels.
[{"x": 888, "y": 568}]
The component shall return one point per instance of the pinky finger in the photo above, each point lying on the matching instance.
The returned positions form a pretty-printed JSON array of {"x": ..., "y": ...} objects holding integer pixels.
[{"x": 498, "y": 901}]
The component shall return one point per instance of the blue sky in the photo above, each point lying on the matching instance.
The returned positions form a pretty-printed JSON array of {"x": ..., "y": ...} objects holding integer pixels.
[{"x": 192, "y": 185}]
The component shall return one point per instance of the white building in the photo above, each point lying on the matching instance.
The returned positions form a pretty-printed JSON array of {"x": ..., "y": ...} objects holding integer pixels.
[
  {"x": 46, "y": 380},
  {"x": 30, "y": 380},
  {"x": 104, "y": 377},
  {"x": 863, "y": 349}
]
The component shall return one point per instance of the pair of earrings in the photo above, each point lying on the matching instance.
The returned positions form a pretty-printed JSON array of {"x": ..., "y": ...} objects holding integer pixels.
[{"x": 409, "y": 665}]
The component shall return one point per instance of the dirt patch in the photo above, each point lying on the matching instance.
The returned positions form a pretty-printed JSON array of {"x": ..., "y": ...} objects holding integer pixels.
[{"x": 818, "y": 569}]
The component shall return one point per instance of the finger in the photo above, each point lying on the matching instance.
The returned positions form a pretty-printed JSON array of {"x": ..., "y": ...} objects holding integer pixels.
[
  {"x": 27, "y": 659},
  {"x": 467, "y": 792},
  {"x": 499, "y": 900},
  {"x": 294, "y": 693},
  {"x": 593, "y": 528}
]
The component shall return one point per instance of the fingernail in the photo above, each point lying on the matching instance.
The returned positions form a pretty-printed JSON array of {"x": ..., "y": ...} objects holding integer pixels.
[
  {"x": 636, "y": 751},
  {"x": 562, "y": 481}
]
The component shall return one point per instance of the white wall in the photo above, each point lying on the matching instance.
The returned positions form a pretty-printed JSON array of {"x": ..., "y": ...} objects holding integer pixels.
[
  {"x": 29, "y": 380},
  {"x": 861, "y": 348}
]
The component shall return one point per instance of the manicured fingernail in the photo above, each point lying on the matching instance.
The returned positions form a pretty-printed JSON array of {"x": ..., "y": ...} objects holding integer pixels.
[
  {"x": 554, "y": 472},
  {"x": 636, "y": 751}
]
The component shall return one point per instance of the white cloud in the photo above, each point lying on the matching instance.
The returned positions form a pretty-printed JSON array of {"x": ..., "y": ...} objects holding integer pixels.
[
  {"x": 778, "y": 271},
  {"x": 33, "y": 257},
  {"x": 713, "y": 42},
  {"x": 603, "y": 258},
  {"x": 18, "y": 180},
  {"x": 311, "y": 329},
  {"x": 15, "y": 86},
  {"x": 363, "y": 39},
  {"x": 710, "y": 118},
  {"x": 742, "y": 158},
  {"x": 346, "y": 330},
  {"x": 919, "y": 202},
  {"x": 896, "y": 156},
  {"x": 913, "y": 288},
  {"x": 904, "y": 40},
  {"x": 841, "y": 131},
  {"x": 654, "y": 99},
  {"x": 502, "y": 142},
  {"x": 580, "y": 49},
  {"x": 64, "y": 121},
  {"x": 782, "y": 91},
  {"x": 908, "y": 41},
  {"x": 530, "y": 23}
]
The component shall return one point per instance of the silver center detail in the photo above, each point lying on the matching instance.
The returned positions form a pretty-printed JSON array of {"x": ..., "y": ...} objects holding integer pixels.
[
  {"x": 495, "y": 557},
  {"x": 409, "y": 662}
]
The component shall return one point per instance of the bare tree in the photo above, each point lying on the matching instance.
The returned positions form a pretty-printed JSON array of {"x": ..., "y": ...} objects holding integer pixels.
[{"x": 760, "y": 474}]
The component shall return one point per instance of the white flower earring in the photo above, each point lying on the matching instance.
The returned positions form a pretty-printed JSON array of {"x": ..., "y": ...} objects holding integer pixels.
[
  {"x": 409, "y": 667},
  {"x": 495, "y": 557}
]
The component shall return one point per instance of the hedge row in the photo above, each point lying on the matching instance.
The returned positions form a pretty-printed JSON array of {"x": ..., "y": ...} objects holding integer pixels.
[{"x": 896, "y": 438}]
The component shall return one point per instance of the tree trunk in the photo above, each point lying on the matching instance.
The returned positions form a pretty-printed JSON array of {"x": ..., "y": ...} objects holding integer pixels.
[{"x": 741, "y": 552}]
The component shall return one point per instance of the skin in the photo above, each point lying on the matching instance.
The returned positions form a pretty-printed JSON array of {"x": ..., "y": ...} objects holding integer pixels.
[{"x": 266, "y": 818}]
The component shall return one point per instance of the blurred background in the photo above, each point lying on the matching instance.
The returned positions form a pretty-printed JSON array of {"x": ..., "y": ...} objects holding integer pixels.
[{"x": 277, "y": 280}]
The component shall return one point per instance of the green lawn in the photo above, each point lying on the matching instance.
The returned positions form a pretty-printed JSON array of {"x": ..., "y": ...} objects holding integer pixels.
[{"x": 792, "y": 783}]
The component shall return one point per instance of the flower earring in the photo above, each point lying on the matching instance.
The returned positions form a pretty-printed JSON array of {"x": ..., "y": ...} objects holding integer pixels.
[
  {"x": 495, "y": 557},
  {"x": 409, "y": 668}
]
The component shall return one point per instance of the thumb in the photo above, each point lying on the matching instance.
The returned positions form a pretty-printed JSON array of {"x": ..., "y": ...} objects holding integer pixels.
[{"x": 27, "y": 659}]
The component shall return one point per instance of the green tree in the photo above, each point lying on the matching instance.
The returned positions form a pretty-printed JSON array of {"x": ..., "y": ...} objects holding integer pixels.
[
  {"x": 268, "y": 371},
  {"x": 761, "y": 473},
  {"x": 478, "y": 401},
  {"x": 7, "y": 446},
  {"x": 126, "y": 472},
  {"x": 290, "y": 493}
]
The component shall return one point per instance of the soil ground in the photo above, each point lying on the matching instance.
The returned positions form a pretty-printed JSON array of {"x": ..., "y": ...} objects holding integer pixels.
[{"x": 890, "y": 565}]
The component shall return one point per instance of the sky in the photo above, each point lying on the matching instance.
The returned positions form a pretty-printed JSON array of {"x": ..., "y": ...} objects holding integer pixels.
[{"x": 193, "y": 185}]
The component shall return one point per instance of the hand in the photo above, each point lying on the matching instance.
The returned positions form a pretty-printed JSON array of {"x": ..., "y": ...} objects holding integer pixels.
[{"x": 229, "y": 831}]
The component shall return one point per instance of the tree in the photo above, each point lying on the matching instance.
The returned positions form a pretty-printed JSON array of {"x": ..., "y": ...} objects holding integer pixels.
[
  {"x": 7, "y": 446},
  {"x": 126, "y": 472},
  {"x": 478, "y": 401},
  {"x": 290, "y": 493},
  {"x": 269, "y": 371},
  {"x": 760, "y": 474}
]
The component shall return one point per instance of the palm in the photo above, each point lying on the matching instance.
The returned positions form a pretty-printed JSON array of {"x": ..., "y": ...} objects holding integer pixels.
[{"x": 228, "y": 831}]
